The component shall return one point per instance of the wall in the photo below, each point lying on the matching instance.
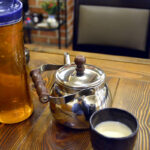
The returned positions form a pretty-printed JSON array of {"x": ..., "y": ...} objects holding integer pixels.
[{"x": 45, "y": 37}]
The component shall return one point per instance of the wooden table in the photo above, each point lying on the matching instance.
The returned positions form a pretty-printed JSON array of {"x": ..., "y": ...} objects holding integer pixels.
[{"x": 129, "y": 82}]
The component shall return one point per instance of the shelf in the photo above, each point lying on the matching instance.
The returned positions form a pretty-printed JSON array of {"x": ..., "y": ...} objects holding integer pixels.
[{"x": 27, "y": 27}]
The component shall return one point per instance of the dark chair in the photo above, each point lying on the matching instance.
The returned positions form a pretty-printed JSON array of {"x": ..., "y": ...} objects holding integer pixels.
[{"x": 118, "y": 27}]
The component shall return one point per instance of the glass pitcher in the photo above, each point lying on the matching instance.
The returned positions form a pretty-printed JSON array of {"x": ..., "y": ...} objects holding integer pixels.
[{"x": 15, "y": 100}]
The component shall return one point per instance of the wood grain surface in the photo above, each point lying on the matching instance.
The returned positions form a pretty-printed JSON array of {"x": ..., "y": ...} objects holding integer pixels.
[
  {"x": 134, "y": 96},
  {"x": 129, "y": 82}
]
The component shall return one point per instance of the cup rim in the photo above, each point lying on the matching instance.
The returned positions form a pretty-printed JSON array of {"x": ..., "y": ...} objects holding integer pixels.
[{"x": 115, "y": 138}]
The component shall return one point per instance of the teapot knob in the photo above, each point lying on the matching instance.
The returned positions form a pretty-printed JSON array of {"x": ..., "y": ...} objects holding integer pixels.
[{"x": 80, "y": 61}]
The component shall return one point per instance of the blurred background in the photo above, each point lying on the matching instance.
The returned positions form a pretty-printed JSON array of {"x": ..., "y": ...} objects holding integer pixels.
[
  {"x": 100, "y": 26},
  {"x": 48, "y": 22}
]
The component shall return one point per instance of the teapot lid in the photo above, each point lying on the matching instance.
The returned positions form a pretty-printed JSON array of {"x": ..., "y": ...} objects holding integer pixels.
[{"x": 80, "y": 75}]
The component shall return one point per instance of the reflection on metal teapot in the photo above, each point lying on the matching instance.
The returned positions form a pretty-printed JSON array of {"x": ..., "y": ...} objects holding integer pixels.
[{"x": 78, "y": 91}]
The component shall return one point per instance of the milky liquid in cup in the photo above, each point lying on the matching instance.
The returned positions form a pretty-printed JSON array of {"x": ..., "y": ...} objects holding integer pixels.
[{"x": 113, "y": 129}]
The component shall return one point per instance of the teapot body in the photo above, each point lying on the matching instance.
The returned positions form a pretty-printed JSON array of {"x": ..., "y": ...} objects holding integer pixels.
[
  {"x": 77, "y": 111},
  {"x": 79, "y": 90}
]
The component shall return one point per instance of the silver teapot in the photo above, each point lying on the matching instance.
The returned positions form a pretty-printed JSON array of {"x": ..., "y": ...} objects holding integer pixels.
[{"x": 79, "y": 90}]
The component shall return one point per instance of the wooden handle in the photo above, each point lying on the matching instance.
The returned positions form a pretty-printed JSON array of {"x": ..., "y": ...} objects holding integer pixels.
[
  {"x": 80, "y": 61},
  {"x": 40, "y": 85}
]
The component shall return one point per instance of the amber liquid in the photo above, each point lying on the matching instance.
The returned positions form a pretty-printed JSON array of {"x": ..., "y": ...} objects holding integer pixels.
[{"x": 15, "y": 101}]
